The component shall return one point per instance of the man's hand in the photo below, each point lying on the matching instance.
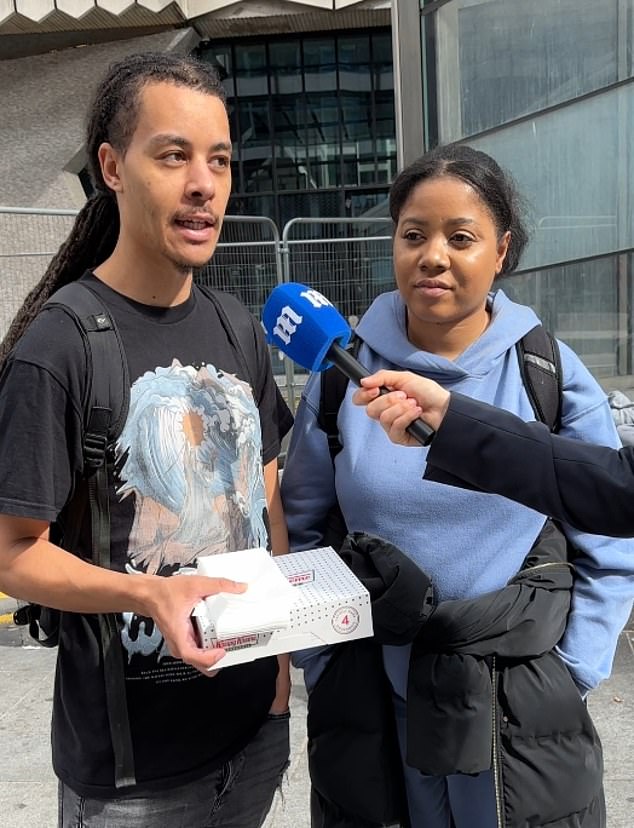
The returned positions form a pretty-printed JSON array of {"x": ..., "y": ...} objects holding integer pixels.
[
  {"x": 171, "y": 601},
  {"x": 410, "y": 397}
]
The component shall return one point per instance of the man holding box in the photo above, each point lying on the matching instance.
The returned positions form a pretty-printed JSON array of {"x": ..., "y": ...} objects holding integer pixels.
[{"x": 192, "y": 472}]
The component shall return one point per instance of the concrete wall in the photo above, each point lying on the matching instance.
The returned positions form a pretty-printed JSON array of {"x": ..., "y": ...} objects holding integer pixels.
[{"x": 43, "y": 100}]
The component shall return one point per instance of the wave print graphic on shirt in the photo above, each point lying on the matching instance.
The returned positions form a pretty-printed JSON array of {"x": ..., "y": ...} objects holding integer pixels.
[
  {"x": 191, "y": 447},
  {"x": 190, "y": 453}
]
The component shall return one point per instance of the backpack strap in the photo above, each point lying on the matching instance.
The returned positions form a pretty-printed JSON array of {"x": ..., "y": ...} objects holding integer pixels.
[
  {"x": 540, "y": 369},
  {"x": 107, "y": 395},
  {"x": 333, "y": 385},
  {"x": 237, "y": 322},
  {"x": 105, "y": 409}
]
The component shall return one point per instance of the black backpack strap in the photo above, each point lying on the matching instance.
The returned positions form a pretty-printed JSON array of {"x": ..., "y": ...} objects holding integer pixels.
[
  {"x": 332, "y": 391},
  {"x": 108, "y": 391},
  {"x": 238, "y": 323},
  {"x": 105, "y": 409},
  {"x": 106, "y": 404},
  {"x": 540, "y": 368}
]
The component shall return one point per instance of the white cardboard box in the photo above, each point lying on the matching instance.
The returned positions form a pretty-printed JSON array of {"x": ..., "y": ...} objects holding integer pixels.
[{"x": 331, "y": 606}]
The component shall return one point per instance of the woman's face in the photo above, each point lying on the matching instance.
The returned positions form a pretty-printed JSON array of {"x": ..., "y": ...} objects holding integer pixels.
[{"x": 446, "y": 255}]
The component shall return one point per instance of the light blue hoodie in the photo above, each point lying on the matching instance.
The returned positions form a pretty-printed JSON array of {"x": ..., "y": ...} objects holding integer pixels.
[{"x": 468, "y": 542}]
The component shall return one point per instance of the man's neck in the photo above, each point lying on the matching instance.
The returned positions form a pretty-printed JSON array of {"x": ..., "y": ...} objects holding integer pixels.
[{"x": 166, "y": 287}]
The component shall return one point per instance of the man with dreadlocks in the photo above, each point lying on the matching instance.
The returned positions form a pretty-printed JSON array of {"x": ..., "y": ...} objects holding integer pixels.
[{"x": 194, "y": 472}]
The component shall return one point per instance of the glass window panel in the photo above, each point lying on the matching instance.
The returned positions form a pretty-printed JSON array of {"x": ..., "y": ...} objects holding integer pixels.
[
  {"x": 354, "y": 63},
  {"x": 235, "y": 173},
  {"x": 356, "y": 115},
  {"x": 285, "y": 60},
  {"x": 354, "y": 50},
  {"x": 382, "y": 61},
  {"x": 382, "y": 49},
  {"x": 234, "y": 126},
  {"x": 289, "y": 116},
  {"x": 324, "y": 165},
  {"x": 254, "y": 146},
  {"x": 290, "y": 144},
  {"x": 320, "y": 64},
  {"x": 292, "y": 172},
  {"x": 322, "y": 119},
  {"x": 306, "y": 205},
  {"x": 220, "y": 57},
  {"x": 384, "y": 114},
  {"x": 574, "y": 167},
  {"x": 351, "y": 167},
  {"x": 359, "y": 162},
  {"x": 323, "y": 152},
  {"x": 386, "y": 161},
  {"x": 257, "y": 174},
  {"x": 359, "y": 203},
  {"x": 251, "y": 70},
  {"x": 253, "y": 124},
  {"x": 326, "y": 173},
  {"x": 588, "y": 306},
  {"x": 500, "y": 59},
  {"x": 252, "y": 205}
]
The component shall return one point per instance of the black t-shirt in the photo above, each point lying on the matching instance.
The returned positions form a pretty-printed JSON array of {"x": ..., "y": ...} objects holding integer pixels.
[{"x": 187, "y": 481}]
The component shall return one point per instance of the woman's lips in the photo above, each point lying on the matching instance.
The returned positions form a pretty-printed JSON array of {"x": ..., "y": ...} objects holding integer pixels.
[{"x": 432, "y": 288}]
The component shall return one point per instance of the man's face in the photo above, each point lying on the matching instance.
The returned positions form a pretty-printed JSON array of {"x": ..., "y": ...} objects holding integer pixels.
[{"x": 173, "y": 181}]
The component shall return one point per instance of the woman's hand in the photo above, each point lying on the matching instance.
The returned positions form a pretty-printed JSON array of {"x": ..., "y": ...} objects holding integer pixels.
[{"x": 409, "y": 397}]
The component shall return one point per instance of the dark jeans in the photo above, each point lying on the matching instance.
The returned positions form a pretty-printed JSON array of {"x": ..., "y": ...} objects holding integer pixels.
[{"x": 238, "y": 795}]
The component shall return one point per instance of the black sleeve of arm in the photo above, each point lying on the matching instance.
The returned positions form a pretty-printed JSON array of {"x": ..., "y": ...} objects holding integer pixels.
[
  {"x": 42, "y": 386},
  {"x": 40, "y": 446},
  {"x": 482, "y": 447}
]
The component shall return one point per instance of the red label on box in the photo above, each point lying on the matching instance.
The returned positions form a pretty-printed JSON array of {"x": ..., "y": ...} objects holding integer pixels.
[{"x": 301, "y": 578}]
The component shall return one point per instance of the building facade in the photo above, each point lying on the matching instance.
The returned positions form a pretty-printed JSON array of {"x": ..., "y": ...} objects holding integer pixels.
[
  {"x": 328, "y": 98},
  {"x": 309, "y": 84},
  {"x": 547, "y": 89},
  {"x": 312, "y": 120}
]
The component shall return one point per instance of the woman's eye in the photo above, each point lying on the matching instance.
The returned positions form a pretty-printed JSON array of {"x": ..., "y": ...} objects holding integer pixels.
[
  {"x": 461, "y": 239},
  {"x": 412, "y": 235}
]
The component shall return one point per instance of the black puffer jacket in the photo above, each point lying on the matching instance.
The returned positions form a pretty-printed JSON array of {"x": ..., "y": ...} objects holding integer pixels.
[{"x": 485, "y": 689}]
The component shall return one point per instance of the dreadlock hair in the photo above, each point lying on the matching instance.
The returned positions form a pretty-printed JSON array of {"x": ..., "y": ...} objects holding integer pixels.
[{"x": 113, "y": 119}]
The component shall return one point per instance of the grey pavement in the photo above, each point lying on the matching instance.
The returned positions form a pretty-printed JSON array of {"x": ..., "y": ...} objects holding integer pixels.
[{"x": 28, "y": 787}]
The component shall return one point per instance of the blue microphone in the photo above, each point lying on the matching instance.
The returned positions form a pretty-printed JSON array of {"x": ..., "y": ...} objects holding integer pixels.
[{"x": 308, "y": 328}]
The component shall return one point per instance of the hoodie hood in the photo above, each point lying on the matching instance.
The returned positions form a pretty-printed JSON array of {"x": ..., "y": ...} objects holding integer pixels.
[{"x": 383, "y": 329}]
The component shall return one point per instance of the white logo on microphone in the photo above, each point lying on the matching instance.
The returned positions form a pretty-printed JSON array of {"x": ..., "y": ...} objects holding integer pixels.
[
  {"x": 316, "y": 299},
  {"x": 287, "y": 322}
]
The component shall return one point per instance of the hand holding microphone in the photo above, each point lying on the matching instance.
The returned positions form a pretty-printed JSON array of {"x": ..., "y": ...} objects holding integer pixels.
[
  {"x": 409, "y": 398},
  {"x": 306, "y": 327}
]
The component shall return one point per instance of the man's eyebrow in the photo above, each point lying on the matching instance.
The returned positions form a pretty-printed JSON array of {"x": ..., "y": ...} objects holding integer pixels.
[
  {"x": 165, "y": 139},
  {"x": 223, "y": 146}
]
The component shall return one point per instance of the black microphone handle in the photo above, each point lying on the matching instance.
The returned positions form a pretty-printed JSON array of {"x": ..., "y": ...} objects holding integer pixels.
[{"x": 352, "y": 368}]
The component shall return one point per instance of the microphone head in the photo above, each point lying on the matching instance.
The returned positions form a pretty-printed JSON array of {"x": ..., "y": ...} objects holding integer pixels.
[{"x": 303, "y": 324}]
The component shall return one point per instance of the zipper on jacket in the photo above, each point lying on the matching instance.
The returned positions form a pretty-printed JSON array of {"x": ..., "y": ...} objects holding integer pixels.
[
  {"x": 548, "y": 565},
  {"x": 495, "y": 763}
]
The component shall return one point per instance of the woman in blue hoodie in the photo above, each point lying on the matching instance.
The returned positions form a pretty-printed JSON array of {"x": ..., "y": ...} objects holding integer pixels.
[{"x": 457, "y": 230}]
